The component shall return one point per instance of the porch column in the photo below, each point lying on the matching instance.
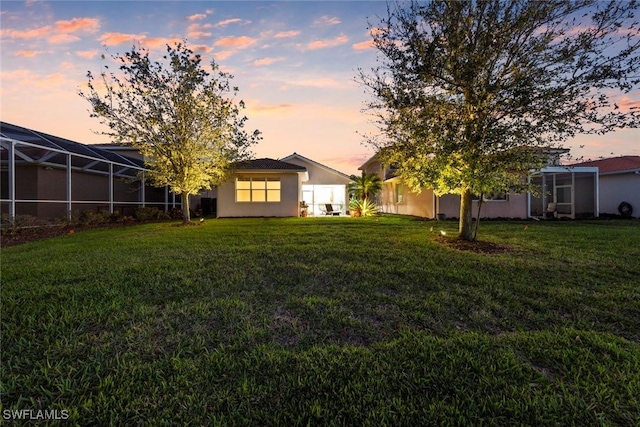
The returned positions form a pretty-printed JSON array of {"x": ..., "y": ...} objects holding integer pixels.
[
  {"x": 69, "y": 206},
  {"x": 111, "y": 188},
  {"x": 142, "y": 184},
  {"x": 12, "y": 181}
]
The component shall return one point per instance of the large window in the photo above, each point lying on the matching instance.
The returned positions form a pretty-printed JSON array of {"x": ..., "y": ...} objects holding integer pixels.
[{"x": 257, "y": 189}]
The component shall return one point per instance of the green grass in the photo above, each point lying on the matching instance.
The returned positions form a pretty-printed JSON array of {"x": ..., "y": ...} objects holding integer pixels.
[{"x": 325, "y": 321}]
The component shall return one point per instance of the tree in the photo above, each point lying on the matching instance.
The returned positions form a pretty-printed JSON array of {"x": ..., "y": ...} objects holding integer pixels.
[
  {"x": 366, "y": 186},
  {"x": 470, "y": 94},
  {"x": 181, "y": 117}
]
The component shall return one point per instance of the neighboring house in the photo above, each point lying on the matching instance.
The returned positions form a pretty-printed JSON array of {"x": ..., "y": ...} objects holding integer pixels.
[
  {"x": 50, "y": 177},
  {"x": 324, "y": 186},
  {"x": 268, "y": 187},
  {"x": 619, "y": 182},
  {"x": 261, "y": 188},
  {"x": 567, "y": 191}
]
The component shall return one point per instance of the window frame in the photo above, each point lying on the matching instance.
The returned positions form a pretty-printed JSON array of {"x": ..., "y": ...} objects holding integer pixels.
[{"x": 259, "y": 190}]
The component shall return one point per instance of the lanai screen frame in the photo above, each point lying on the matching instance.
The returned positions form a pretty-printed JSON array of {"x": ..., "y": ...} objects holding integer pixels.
[
  {"x": 115, "y": 169},
  {"x": 559, "y": 170}
]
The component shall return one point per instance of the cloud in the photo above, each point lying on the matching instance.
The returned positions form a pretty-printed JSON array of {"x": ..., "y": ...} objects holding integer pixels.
[
  {"x": 27, "y": 34},
  {"x": 197, "y": 31},
  {"x": 90, "y": 25},
  {"x": 60, "y": 32},
  {"x": 222, "y": 55},
  {"x": 232, "y": 21},
  {"x": 286, "y": 34},
  {"x": 112, "y": 39},
  {"x": 87, "y": 54},
  {"x": 241, "y": 42},
  {"x": 327, "y": 20},
  {"x": 326, "y": 43},
  {"x": 321, "y": 82},
  {"x": 29, "y": 53},
  {"x": 199, "y": 16},
  {"x": 266, "y": 61},
  {"x": 363, "y": 45},
  {"x": 201, "y": 48},
  {"x": 256, "y": 107},
  {"x": 63, "y": 38}
]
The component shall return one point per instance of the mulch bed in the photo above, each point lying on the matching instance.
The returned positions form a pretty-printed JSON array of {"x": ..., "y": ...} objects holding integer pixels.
[{"x": 477, "y": 246}]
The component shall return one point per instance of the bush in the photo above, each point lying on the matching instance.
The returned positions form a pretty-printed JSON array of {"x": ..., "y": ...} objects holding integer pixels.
[
  {"x": 151, "y": 214},
  {"x": 90, "y": 217},
  {"x": 365, "y": 207}
]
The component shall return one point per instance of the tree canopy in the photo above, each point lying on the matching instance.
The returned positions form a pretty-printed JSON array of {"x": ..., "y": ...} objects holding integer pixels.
[
  {"x": 182, "y": 117},
  {"x": 470, "y": 95}
]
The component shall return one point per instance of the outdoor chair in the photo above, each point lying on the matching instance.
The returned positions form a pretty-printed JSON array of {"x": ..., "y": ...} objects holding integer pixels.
[
  {"x": 329, "y": 210},
  {"x": 551, "y": 210}
]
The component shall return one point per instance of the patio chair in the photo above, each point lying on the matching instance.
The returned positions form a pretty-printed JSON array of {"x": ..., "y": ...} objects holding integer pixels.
[
  {"x": 329, "y": 210},
  {"x": 551, "y": 210}
]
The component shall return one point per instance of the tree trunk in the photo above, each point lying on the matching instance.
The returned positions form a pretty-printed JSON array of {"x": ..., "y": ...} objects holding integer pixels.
[
  {"x": 465, "y": 227},
  {"x": 186, "y": 216}
]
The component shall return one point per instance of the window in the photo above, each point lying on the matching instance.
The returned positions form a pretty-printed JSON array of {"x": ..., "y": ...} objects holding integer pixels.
[
  {"x": 257, "y": 189},
  {"x": 399, "y": 193},
  {"x": 500, "y": 196}
]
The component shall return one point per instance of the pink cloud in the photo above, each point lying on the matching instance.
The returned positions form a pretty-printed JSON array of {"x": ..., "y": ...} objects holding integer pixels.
[
  {"x": 222, "y": 55},
  {"x": 231, "y": 21},
  {"x": 160, "y": 42},
  {"x": 201, "y": 48},
  {"x": 27, "y": 34},
  {"x": 112, "y": 39},
  {"x": 286, "y": 34},
  {"x": 29, "y": 53},
  {"x": 87, "y": 54},
  {"x": 256, "y": 107},
  {"x": 90, "y": 25},
  {"x": 327, "y": 20},
  {"x": 626, "y": 104},
  {"x": 197, "y": 31},
  {"x": 63, "y": 38},
  {"x": 363, "y": 45},
  {"x": 266, "y": 61},
  {"x": 199, "y": 16},
  {"x": 327, "y": 43},
  {"x": 241, "y": 42}
]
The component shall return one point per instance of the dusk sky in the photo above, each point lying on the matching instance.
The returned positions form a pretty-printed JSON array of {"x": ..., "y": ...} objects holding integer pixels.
[{"x": 295, "y": 64}]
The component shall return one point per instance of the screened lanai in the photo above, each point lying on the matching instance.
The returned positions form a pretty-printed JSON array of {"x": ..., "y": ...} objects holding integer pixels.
[
  {"x": 565, "y": 192},
  {"x": 50, "y": 177}
]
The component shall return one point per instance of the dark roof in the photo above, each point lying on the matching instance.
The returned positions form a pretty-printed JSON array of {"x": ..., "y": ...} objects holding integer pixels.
[
  {"x": 268, "y": 164},
  {"x": 615, "y": 164},
  {"x": 46, "y": 141}
]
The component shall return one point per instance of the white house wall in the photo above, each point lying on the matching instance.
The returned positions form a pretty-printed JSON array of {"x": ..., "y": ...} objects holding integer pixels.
[{"x": 617, "y": 188}]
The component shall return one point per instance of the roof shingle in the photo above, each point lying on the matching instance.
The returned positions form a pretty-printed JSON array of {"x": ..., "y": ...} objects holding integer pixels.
[{"x": 268, "y": 164}]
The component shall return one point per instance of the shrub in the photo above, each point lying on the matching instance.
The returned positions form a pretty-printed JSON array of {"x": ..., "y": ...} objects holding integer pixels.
[{"x": 365, "y": 207}]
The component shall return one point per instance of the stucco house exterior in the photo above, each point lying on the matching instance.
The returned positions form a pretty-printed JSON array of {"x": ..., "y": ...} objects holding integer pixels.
[
  {"x": 572, "y": 191},
  {"x": 261, "y": 187},
  {"x": 619, "y": 183},
  {"x": 275, "y": 188},
  {"x": 324, "y": 185}
]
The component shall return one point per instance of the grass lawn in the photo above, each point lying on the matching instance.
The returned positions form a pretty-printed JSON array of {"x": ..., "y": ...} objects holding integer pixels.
[{"x": 325, "y": 321}]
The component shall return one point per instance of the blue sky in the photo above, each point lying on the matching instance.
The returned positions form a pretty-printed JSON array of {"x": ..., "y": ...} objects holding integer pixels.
[{"x": 294, "y": 62}]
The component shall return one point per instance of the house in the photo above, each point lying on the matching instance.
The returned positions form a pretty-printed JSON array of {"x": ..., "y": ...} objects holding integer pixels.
[
  {"x": 268, "y": 187},
  {"x": 261, "y": 187},
  {"x": 47, "y": 176},
  {"x": 619, "y": 183},
  {"x": 572, "y": 191},
  {"x": 323, "y": 186}
]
